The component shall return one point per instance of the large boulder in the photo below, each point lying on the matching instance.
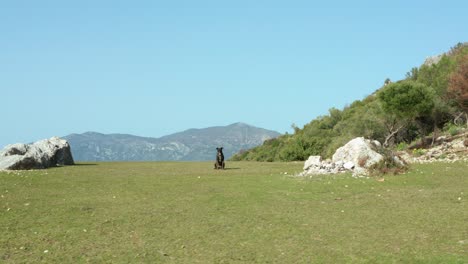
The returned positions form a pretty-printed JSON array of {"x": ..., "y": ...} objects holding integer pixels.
[
  {"x": 39, "y": 155},
  {"x": 357, "y": 156},
  {"x": 360, "y": 152}
]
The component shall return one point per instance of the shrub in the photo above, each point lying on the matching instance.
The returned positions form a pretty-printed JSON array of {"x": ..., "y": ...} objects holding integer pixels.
[
  {"x": 419, "y": 152},
  {"x": 390, "y": 164},
  {"x": 452, "y": 129},
  {"x": 401, "y": 146}
]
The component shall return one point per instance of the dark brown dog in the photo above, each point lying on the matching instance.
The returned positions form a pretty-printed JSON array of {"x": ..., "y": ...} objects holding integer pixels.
[{"x": 219, "y": 164}]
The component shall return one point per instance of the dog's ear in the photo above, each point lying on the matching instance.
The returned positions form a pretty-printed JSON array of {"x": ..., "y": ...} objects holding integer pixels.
[
  {"x": 217, "y": 149},
  {"x": 221, "y": 148}
]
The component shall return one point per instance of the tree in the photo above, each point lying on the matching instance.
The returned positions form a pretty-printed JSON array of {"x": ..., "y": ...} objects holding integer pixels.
[
  {"x": 458, "y": 84},
  {"x": 403, "y": 102},
  {"x": 413, "y": 74},
  {"x": 387, "y": 81},
  {"x": 407, "y": 99}
]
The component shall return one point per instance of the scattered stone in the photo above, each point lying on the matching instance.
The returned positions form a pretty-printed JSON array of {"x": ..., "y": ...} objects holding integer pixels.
[{"x": 446, "y": 150}]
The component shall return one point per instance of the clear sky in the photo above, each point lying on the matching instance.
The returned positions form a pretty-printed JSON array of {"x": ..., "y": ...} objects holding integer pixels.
[{"x": 152, "y": 68}]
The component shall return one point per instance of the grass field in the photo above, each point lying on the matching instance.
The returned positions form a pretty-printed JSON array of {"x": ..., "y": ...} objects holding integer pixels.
[{"x": 174, "y": 212}]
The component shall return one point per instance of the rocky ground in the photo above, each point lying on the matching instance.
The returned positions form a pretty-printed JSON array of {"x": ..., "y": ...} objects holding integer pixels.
[
  {"x": 358, "y": 156},
  {"x": 446, "y": 149}
]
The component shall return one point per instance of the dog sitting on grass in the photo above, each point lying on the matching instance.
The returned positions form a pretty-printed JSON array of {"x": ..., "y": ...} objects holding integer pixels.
[{"x": 219, "y": 164}]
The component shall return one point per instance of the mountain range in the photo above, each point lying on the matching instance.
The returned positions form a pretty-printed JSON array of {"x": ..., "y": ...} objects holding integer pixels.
[{"x": 189, "y": 145}]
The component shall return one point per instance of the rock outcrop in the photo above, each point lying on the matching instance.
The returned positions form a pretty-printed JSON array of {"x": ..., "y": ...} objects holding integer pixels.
[
  {"x": 433, "y": 59},
  {"x": 357, "y": 156},
  {"x": 39, "y": 155}
]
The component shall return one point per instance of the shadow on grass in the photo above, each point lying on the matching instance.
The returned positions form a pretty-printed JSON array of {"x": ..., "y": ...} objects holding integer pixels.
[
  {"x": 85, "y": 164},
  {"x": 232, "y": 168}
]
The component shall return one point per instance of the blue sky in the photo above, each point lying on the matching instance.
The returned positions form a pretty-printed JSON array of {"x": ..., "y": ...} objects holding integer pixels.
[{"x": 152, "y": 68}]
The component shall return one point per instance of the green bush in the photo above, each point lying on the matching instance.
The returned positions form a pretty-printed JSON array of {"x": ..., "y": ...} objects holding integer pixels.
[
  {"x": 452, "y": 129},
  {"x": 402, "y": 146},
  {"x": 391, "y": 164},
  {"x": 419, "y": 152}
]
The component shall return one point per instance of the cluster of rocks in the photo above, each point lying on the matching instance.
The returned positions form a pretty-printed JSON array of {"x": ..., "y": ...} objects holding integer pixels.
[
  {"x": 446, "y": 150},
  {"x": 356, "y": 156},
  {"x": 315, "y": 165},
  {"x": 39, "y": 155},
  {"x": 359, "y": 154}
]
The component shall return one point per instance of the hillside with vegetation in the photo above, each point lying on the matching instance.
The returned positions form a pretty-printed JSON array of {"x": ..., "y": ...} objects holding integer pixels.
[{"x": 432, "y": 99}]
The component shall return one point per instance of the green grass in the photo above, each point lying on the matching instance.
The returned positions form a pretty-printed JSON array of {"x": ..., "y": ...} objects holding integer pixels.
[{"x": 186, "y": 212}]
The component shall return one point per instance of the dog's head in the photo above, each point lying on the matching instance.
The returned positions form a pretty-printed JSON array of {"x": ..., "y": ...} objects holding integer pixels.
[{"x": 220, "y": 150}]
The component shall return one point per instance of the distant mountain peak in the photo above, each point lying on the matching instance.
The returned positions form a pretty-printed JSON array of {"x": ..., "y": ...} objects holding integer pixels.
[
  {"x": 92, "y": 133},
  {"x": 240, "y": 124}
]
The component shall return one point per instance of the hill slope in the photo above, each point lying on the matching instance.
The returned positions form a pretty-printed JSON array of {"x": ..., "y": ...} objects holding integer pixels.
[
  {"x": 192, "y": 144},
  {"x": 432, "y": 98}
]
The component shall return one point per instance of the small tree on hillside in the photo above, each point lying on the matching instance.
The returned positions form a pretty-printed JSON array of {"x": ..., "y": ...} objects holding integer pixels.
[
  {"x": 413, "y": 74},
  {"x": 403, "y": 102},
  {"x": 387, "y": 81}
]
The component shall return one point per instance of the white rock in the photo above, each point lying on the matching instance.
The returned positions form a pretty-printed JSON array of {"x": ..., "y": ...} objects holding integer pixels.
[
  {"x": 359, "y": 171},
  {"x": 349, "y": 165},
  {"x": 357, "y": 155},
  {"x": 312, "y": 161},
  {"x": 14, "y": 149},
  {"x": 42, "y": 154},
  {"x": 357, "y": 151},
  {"x": 339, "y": 163},
  {"x": 376, "y": 143},
  {"x": 458, "y": 144}
]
